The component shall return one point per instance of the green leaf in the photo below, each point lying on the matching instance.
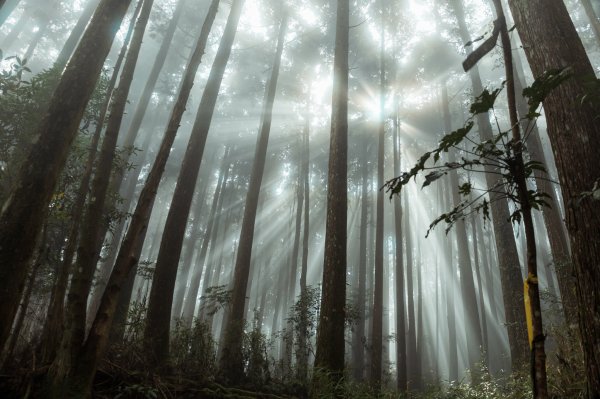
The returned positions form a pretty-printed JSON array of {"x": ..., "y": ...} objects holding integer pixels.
[
  {"x": 543, "y": 86},
  {"x": 485, "y": 101},
  {"x": 431, "y": 177}
]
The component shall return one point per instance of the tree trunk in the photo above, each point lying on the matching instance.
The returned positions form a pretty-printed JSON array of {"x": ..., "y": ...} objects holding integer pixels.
[
  {"x": 532, "y": 298},
  {"x": 411, "y": 354},
  {"x": 82, "y": 373},
  {"x": 377, "y": 337},
  {"x": 400, "y": 305},
  {"x": 330, "y": 335},
  {"x": 508, "y": 259},
  {"x": 552, "y": 42},
  {"x": 90, "y": 241},
  {"x": 156, "y": 334},
  {"x": 209, "y": 238},
  {"x": 472, "y": 318},
  {"x": 302, "y": 356},
  {"x": 75, "y": 35},
  {"x": 23, "y": 213},
  {"x": 54, "y": 320},
  {"x": 231, "y": 362}
]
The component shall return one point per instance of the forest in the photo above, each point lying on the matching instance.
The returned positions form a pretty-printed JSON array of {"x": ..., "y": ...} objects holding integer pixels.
[{"x": 300, "y": 199}]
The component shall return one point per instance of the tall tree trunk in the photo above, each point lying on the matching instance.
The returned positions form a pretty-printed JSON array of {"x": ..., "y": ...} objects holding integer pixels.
[
  {"x": 23, "y": 213},
  {"x": 95, "y": 345},
  {"x": 411, "y": 354},
  {"x": 52, "y": 330},
  {"x": 399, "y": 272},
  {"x": 472, "y": 319},
  {"x": 157, "y": 66},
  {"x": 377, "y": 337},
  {"x": 231, "y": 362},
  {"x": 555, "y": 225},
  {"x": 190, "y": 248},
  {"x": 508, "y": 259},
  {"x": 450, "y": 296},
  {"x": 156, "y": 333},
  {"x": 330, "y": 335},
  {"x": 302, "y": 356},
  {"x": 359, "y": 337},
  {"x": 552, "y": 42},
  {"x": 209, "y": 238},
  {"x": 532, "y": 298},
  {"x": 483, "y": 312}
]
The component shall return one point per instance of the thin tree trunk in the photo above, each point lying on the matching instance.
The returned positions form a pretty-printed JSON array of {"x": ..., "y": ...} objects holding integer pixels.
[
  {"x": 302, "y": 356},
  {"x": 90, "y": 241},
  {"x": 54, "y": 320},
  {"x": 330, "y": 335},
  {"x": 552, "y": 42},
  {"x": 97, "y": 340},
  {"x": 231, "y": 360},
  {"x": 399, "y": 272},
  {"x": 209, "y": 238},
  {"x": 156, "y": 333},
  {"x": 23, "y": 212},
  {"x": 532, "y": 299},
  {"x": 411, "y": 357},
  {"x": 508, "y": 259}
]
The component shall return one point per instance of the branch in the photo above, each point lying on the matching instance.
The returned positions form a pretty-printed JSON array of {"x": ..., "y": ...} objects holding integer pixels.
[{"x": 482, "y": 50}]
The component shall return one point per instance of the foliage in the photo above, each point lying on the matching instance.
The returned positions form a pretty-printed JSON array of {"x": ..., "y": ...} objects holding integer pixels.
[
  {"x": 256, "y": 358},
  {"x": 216, "y": 298},
  {"x": 193, "y": 350},
  {"x": 496, "y": 155}
]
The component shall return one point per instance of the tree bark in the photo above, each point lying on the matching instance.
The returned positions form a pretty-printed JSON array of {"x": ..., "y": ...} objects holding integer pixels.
[
  {"x": 23, "y": 213},
  {"x": 552, "y": 42},
  {"x": 231, "y": 362},
  {"x": 508, "y": 259},
  {"x": 90, "y": 241},
  {"x": 330, "y": 335},
  {"x": 156, "y": 333}
]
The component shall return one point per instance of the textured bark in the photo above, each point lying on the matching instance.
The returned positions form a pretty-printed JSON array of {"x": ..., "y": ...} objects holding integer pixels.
[
  {"x": 538, "y": 367},
  {"x": 508, "y": 259},
  {"x": 552, "y": 42},
  {"x": 24, "y": 211},
  {"x": 90, "y": 241},
  {"x": 75, "y": 35},
  {"x": 330, "y": 335},
  {"x": 231, "y": 361},
  {"x": 555, "y": 225},
  {"x": 127, "y": 258},
  {"x": 156, "y": 334},
  {"x": 52, "y": 331}
]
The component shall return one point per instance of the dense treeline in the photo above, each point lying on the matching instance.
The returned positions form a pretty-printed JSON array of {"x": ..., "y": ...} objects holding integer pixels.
[{"x": 218, "y": 199}]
